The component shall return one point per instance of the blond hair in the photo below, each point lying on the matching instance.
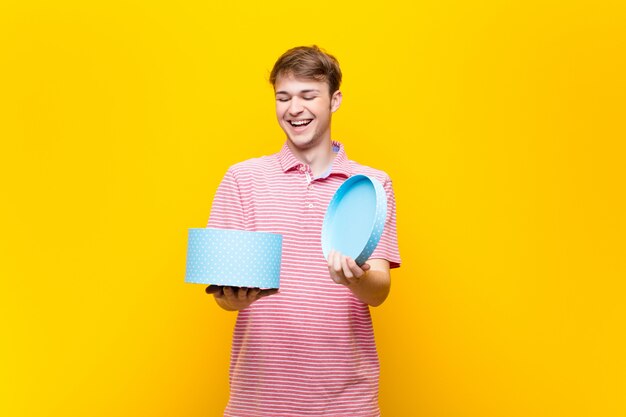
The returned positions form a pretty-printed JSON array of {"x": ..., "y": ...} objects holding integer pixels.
[{"x": 310, "y": 63}]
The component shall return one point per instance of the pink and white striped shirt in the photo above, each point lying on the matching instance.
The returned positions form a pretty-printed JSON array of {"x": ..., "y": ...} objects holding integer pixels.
[{"x": 308, "y": 350}]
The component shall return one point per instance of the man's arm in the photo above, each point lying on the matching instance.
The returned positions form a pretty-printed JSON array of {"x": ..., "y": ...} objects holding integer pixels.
[{"x": 370, "y": 282}]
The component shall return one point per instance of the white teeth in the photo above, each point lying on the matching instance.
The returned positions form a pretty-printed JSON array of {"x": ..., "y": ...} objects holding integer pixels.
[{"x": 299, "y": 122}]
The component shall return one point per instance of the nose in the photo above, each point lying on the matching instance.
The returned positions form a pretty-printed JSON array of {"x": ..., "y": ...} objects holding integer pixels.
[{"x": 295, "y": 106}]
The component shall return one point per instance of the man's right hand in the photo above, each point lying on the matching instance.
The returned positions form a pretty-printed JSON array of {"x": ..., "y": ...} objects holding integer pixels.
[{"x": 237, "y": 298}]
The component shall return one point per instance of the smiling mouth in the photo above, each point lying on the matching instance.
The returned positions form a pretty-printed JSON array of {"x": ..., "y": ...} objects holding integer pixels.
[{"x": 300, "y": 123}]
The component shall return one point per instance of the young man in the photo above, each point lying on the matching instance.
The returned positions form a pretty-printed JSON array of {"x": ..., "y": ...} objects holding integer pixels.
[{"x": 309, "y": 349}]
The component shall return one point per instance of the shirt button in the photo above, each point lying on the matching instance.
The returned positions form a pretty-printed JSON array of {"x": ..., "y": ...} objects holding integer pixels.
[
  {"x": 302, "y": 168},
  {"x": 310, "y": 205}
]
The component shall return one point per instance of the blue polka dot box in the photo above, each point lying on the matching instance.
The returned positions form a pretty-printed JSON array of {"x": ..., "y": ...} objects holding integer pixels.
[{"x": 235, "y": 258}]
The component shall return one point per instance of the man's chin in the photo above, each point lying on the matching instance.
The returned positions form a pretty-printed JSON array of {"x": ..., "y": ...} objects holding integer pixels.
[{"x": 301, "y": 142}]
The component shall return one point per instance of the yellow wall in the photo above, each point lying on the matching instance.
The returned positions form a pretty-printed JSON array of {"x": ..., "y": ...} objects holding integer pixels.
[{"x": 501, "y": 124}]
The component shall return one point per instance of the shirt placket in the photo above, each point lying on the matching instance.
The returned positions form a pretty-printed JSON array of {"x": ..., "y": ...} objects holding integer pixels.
[{"x": 308, "y": 199}]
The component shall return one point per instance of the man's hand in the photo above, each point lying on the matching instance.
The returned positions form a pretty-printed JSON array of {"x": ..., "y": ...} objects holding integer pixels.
[
  {"x": 237, "y": 298},
  {"x": 369, "y": 282},
  {"x": 343, "y": 270}
]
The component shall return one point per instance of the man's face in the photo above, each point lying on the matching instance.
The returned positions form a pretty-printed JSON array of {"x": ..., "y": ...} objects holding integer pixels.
[{"x": 304, "y": 109}]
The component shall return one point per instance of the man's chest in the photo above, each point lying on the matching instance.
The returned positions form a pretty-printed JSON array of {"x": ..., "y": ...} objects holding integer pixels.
[{"x": 291, "y": 206}]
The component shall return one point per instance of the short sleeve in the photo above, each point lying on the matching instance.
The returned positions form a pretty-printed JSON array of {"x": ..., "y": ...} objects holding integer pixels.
[
  {"x": 387, "y": 247},
  {"x": 227, "y": 211}
]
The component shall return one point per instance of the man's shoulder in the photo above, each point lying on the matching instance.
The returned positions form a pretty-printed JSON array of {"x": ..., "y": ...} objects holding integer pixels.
[
  {"x": 254, "y": 165},
  {"x": 357, "y": 168}
]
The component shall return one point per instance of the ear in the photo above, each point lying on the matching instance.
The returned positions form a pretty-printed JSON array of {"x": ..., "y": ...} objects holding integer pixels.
[{"x": 335, "y": 101}]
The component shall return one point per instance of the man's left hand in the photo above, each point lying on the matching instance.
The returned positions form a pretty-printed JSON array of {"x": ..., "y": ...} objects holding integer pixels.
[{"x": 343, "y": 270}]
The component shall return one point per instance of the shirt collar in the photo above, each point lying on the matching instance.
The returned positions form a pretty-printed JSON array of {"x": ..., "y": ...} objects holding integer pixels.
[{"x": 340, "y": 165}]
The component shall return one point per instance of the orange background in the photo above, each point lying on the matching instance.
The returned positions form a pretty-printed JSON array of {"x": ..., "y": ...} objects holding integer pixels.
[{"x": 501, "y": 124}]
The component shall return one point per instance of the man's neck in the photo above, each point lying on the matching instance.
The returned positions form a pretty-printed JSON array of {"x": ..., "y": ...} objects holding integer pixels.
[{"x": 318, "y": 157}]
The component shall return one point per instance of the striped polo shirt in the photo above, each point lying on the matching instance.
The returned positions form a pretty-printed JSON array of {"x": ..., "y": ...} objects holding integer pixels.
[{"x": 308, "y": 350}]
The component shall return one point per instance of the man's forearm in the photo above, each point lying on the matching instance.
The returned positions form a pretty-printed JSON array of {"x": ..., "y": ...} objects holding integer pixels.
[{"x": 372, "y": 288}]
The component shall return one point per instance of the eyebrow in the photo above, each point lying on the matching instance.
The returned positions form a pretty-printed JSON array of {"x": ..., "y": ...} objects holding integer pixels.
[{"x": 302, "y": 91}]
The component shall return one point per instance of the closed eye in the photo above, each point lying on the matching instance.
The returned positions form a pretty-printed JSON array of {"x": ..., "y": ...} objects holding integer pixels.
[{"x": 282, "y": 99}]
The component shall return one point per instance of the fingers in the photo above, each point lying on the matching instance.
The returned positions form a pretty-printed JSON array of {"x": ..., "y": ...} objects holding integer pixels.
[
  {"x": 265, "y": 293},
  {"x": 213, "y": 289},
  {"x": 239, "y": 293},
  {"x": 347, "y": 272},
  {"x": 337, "y": 262},
  {"x": 253, "y": 294},
  {"x": 229, "y": 293},
  {"x": 332, "y": 269},
  {"x": 355, "y": 269},
  {"x": 343, "y": 269},
  {"x": 242, "y": 293}
]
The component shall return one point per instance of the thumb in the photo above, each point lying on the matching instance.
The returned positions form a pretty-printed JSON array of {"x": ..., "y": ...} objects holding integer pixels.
[{"x": 365, "y": 267}]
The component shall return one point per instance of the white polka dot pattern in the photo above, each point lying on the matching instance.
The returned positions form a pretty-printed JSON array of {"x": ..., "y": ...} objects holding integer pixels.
[
  {"x": 236, "y": 258},
  {"x": 379, "y": 222}
]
